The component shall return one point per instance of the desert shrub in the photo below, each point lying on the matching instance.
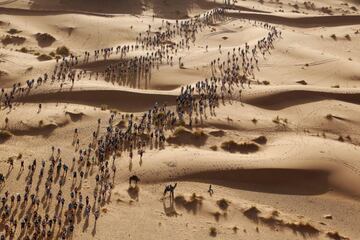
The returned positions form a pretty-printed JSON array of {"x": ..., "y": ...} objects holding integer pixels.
[
  {"x": 44, "y": 37},
  {"x": 245, "y": 147},
  {"x": 24, "y": 50},
  {"x": 63, "y": 51},
  {"x": 329, "y": 116},
  {"x": 44, "y": 57},
  {"x": 260, "y": 140},
  {"x": 16, "y": 40},
  {"x": 5, "y": 135},
  {"x": 213, "y": 232},
  {"x": 223, "y": 204},
  {"x": 13, "y": 31},
  {"x": 214, "y": 148}
]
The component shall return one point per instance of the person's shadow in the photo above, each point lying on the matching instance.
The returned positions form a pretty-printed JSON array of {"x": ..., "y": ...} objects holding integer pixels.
[
  {"x": 170, "y": 210},
  {"x": 86, "y": 223},
  {"x": 133, "y": 192},
  {"x": 94, "y": 229}
]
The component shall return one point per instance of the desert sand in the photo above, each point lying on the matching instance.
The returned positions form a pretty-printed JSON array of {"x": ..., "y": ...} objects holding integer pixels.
[{"x": 250, "y": 109}]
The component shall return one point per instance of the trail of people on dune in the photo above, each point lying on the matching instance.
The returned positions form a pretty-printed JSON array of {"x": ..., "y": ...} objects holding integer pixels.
[{"x": 123, "y": 135}]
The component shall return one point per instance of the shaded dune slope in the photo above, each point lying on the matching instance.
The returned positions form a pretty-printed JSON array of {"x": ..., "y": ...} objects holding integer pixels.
[
  {"x": 308, "y": 22},
  {"x": 278, "y": 100},
  {"x": 121, "y": 100},
  {"x": 279, "y": 181}
]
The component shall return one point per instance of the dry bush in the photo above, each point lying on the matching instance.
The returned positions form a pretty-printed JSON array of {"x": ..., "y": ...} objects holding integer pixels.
[
  {"x": 302, "y": 82},
  {"x": 4, "y": 135},
  {"x": 44, "y": 57},
  {"x": 13, "y": 31},
  {"x": 24, "y": 50},
  {"x": 213, "y": 232},
  {"x": 329, "y": 116},
  {"x": 16, "y": 40},
  {"x": 44, "y": 39},
  {"x": 223, "y": 204},
  {"x": 309, "y": 5},
  {"x": 260, "y": 140},
  {"x": 214, "y": 148},
  {"x": 63, "y": 51},
  {"x": 182, "y": 136},
  {"x": 245, "y": 147},
  {"x": 326, "y": 10}
]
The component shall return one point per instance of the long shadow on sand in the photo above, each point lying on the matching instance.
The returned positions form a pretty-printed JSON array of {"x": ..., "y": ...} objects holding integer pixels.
[
  {"x": 103, "y": 6},
  {"x": 279, "y": 181},
  {"x": 171, "y": 9}
]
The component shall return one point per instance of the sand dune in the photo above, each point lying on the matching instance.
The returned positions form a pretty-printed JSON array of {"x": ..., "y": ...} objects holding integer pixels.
[
  {"x": 296, "y": 21},
  {"x": 249, "y": 111},
  {"x": 292, "y": 96},
  {"x": 124, "y": 100}
]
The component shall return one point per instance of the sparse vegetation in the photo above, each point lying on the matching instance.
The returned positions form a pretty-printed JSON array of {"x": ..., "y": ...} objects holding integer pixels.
[
  {"x": 4, "y": 135},
  {"x": 333, "y": 36},
  {"x": 309, "y": 5},
  {"x": 63, "y": 51},
  {"x": 326, "y": 10},
  {"x": 347, "y": 36},
  {"x": 302, "y": 82},
  {"x": 329, "y": 116},
  {"x": 280, "y": 121},
  {"x": 44, "y": 39},
  {"x": 44, "y": 57},
  {"x": 214, "y": 148},
  {"x": 13, "y": 31},
  {"x": 245, "y": 147},
  {"x": 16, "y": 40},
  {"x": 24, "y": 50},
  {"x": 213, "y": 232},
  {"x": 260, "y": 140},
  {"x": 183, "y": 136},
  {"x": 223, "y": 204}
]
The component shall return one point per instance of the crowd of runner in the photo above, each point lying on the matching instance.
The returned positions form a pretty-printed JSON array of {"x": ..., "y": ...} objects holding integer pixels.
[{"x": 43, "y": 210}]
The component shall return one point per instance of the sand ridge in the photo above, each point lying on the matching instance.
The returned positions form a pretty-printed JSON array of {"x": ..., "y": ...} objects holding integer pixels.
[{"x": 212, "y": 102}]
